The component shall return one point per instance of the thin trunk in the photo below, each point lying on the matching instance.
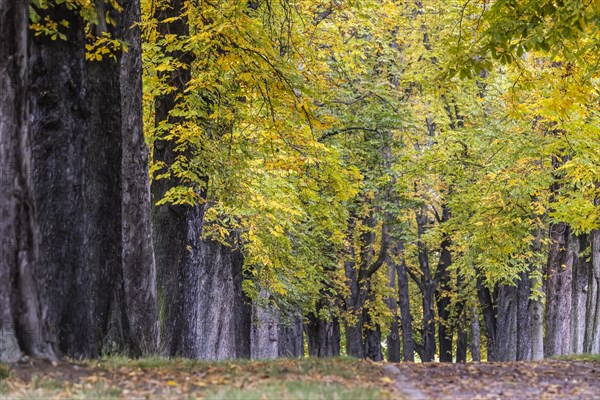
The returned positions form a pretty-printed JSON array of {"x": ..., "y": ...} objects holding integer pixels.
[
  {"x": 408, "y": 344},
  {"x": 22, "y": 325},
  {"x": 428, "y": 287},
  {"x": 393, "y": 338},
  {"x": 462, "y": 339},
  {"x": 443, "y": 302},
  {"x": 592, "y": 327},
  {"x": 489, "y": 317},
  {"x": 475, "y": 336},
  {"x": 537, "y": 307}
]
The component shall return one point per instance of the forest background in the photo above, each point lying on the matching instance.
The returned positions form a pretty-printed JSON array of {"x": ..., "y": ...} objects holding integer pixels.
[{"x": 415, "y": 178}]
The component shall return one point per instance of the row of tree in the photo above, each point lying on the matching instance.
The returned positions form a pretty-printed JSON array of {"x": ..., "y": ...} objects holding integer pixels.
[{"x": 419, "y": 177}]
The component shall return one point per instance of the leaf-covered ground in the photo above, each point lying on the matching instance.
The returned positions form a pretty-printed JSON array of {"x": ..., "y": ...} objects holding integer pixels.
[
  {"x": 339, "y": 378},
  {"x": 577, "y": 378}
]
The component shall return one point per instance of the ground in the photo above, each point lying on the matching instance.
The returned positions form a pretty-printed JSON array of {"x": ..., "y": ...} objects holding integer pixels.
[{"x": 338, "y": 378}]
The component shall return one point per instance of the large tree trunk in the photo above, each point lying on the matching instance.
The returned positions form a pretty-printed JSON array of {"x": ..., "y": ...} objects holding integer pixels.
[
  {"x": 558, "y": 291},
  {"x": 22, "y": 325},
  {"x": 59, "y": 127},
  {"x": 101, "y": 260},
  {"x": 138, "y": 271},
  {"x": 195, "y": 275},
  {"x": 86, "y": 137}
]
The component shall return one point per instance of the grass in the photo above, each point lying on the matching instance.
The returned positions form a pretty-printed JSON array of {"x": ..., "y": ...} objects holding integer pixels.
[
  {"x": 310, "y": 378},
  {"x": 579, "y": 357},
  {"x": 4, "y": 371}
]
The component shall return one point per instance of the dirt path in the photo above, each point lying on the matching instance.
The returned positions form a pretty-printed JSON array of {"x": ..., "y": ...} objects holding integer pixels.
[{"x": 516, "y": 380}]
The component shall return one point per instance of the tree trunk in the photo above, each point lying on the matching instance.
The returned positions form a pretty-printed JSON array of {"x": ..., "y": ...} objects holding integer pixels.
[
  {"x": 591, "y": 342},
  {"x": 443, "y": 303},
  {"x": 523, "y": 318},
  {"x": 323, "y": 336},
  {"x": 59, "y": 127},
  {"x": 537, "y": 307},
  {"x": 408, "y": 344},
  {"x": 195, "y": 275},
  {"x": 475, "y": 336},
  {"x": 291, "y": 339},
  {"x": 559, "y": 291},
  {"x": 101, "y": 260},
  {"x": 393, "y": 338},
  {"x": 581, "y": 268},
  {"x": 462, "y": 339},
  {"x": 505, "y": 345},
  {"x": 138, "y": 269},
  {"x": 428, "y": 287},
  {"x": 22, "y": 325},
  {"x": 265, "y": 329},
  {"x": 372, "y": 339},
  {"x": 489, "y": 317}
]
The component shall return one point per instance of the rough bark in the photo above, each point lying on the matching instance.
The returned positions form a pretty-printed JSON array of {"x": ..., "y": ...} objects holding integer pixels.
[
  {"x": 591, "y": 342},
  {"x": 427, "y": 285},
  {"x": 59, "y": 127},
  {"x": 195, "y": 275},
  {"x": 138, "y": 269},
  {"x": 537, "y": 307},
  {"x": 581, "y": 267},
  {"x": 558, "y": 292},
  {"x": 524, "y": 348},
  {"x": 22, "y": 325},
  {"x": 101, "y": 260},
  {"x": 393, "y": 338},
  {"x": 462, "y": 339},
  {"x": 291, "y": 340},
  {"x": 323, "y": 336},
  {"x": 265, "y": 329},
  {"x": 505, "y": 345},
  {"x": 489, "y": 317},
  {"x": 443, "y": 302},
  {"x": 475, "y": 336},
  {"x": 408, "y": 344}
]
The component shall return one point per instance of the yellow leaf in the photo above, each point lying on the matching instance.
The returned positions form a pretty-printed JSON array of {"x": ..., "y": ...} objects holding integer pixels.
[{"x": 171, "y": 383}]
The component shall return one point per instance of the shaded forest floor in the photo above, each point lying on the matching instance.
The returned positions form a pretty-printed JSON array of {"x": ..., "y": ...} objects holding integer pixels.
[{"x": 339, "y": 378}]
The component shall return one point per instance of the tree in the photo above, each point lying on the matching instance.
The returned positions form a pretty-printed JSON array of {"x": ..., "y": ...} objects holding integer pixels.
[
  {"x": 99, "y": 284},
  {"x": 22, "y": 327}
]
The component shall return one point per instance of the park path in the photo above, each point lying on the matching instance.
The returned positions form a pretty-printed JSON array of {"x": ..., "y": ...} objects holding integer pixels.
[{"x": 551, "y": 379}]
